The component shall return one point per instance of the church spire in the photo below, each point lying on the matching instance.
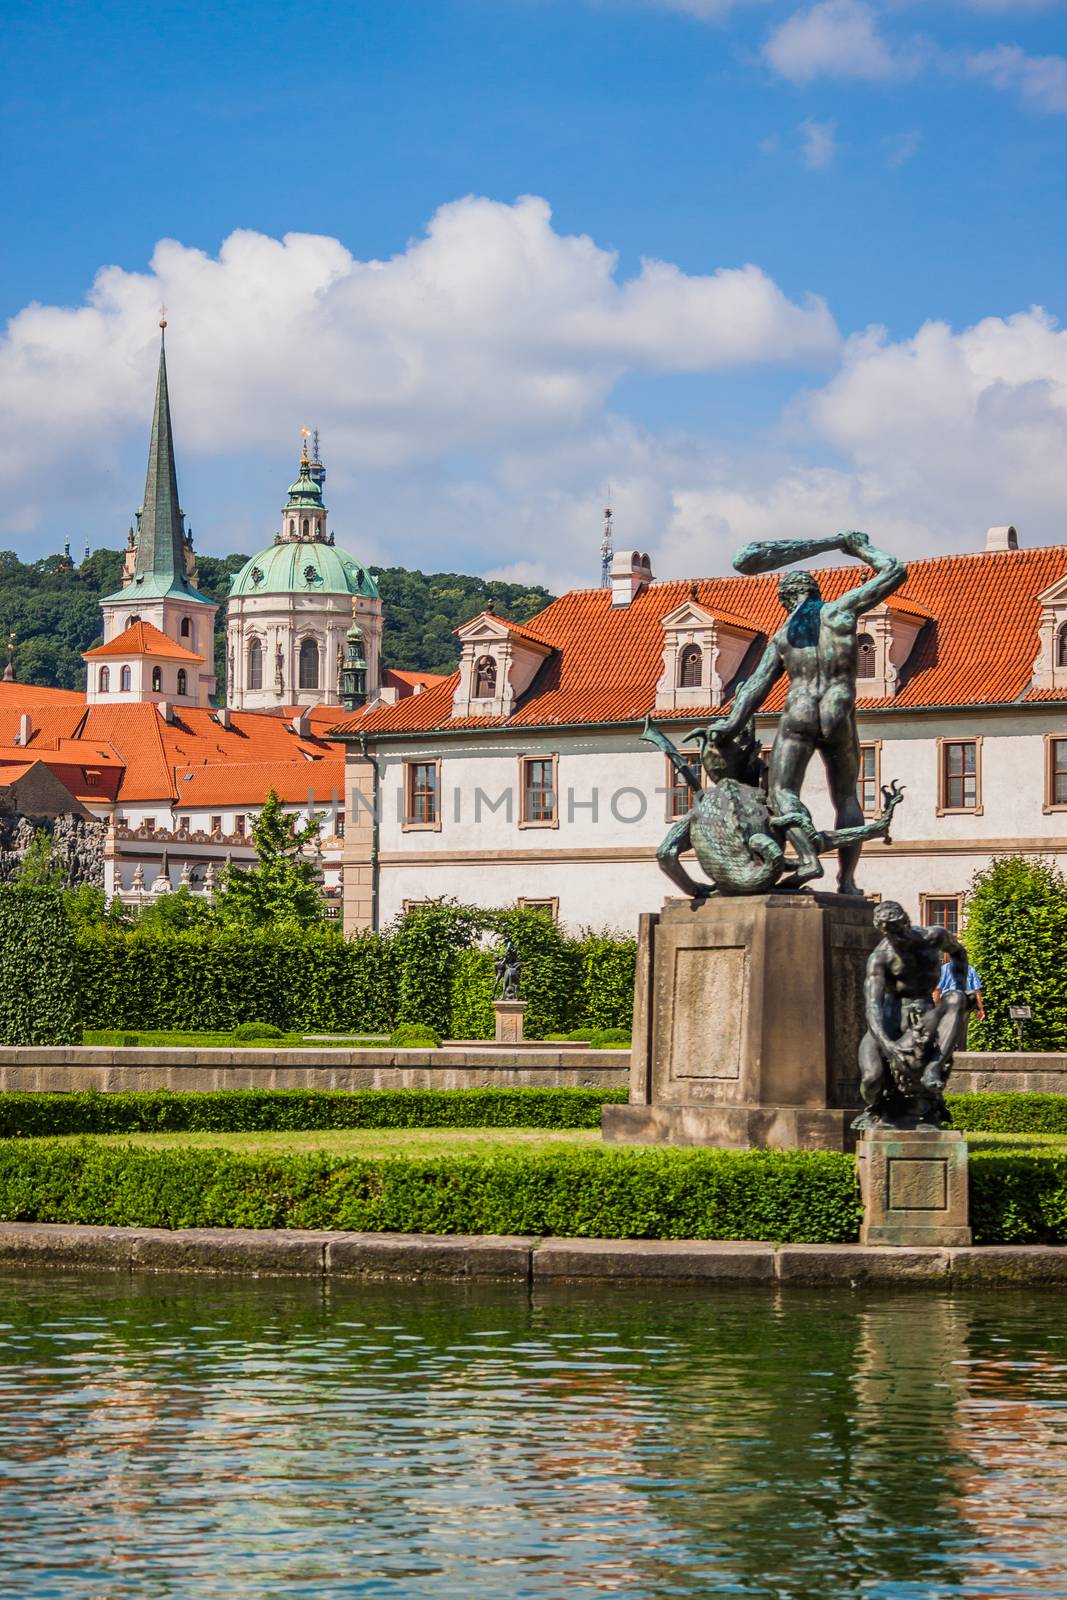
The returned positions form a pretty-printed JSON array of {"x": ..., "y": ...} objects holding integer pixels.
[{"x": 161, "y": 535}]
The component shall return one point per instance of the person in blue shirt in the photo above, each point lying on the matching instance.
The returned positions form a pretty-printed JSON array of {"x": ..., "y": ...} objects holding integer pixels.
[{"x": 947, "y": 983}]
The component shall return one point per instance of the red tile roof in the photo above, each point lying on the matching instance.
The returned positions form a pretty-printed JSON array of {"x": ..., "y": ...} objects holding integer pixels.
[
  {"x": 607, "y": 660},
  {"x": 143, "y": 639},
  {"x": 34, "y": 694},
  {"x": 406, "y": 682},
  {"x": 247, "y": 783}
]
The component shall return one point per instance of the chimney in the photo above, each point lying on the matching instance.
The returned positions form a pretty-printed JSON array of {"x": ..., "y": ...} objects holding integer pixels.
[
  {"x": 630, "y": 573},
  {"x": 25, "y": 733},
  {"x": 166, "y": 711},
  {"x": 1001, "y": 539},
  {"x": 222, "y": 717},
  {"x": 301, "y": 724}
]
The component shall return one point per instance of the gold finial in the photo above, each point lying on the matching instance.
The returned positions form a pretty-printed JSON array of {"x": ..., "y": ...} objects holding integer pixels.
[
  {"x": 162, "y": 316},
  {"x": 305, "y": 434}
]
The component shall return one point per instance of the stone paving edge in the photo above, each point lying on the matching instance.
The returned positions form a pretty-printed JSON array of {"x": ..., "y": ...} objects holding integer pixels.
[{"x": 266, "y": 1252}]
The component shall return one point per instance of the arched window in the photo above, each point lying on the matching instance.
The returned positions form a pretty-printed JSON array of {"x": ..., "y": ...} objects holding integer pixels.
[
  {"x": 157, "y": 680},
  {"x": 865, "y": 661},
  {"x": 182, "y": 681},
  {"x": 309, "y": 664},
  {"x": 292, "y": 525},
  {"x": 484, "y": 678},
  {"x": 131, "y": 620},
  {"x": 306, "y": 527},
  {"x": 1061, "y": 646},
  {"x": 125, "y": 678},
  {"x": 105, "y": 680},
  {"x": 690, "y": 667},
  {"x": 186, "y": 629},
  {"x": 255, "y": 665}
]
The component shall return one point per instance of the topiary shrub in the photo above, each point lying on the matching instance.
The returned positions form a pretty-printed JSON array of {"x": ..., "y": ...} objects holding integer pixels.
[
  {"x": 414, "y": 1036},
  {"x": 1016, "y": 934},
  {"x": 39, "y": 998},
  {"x": 257, "y": 1030}
]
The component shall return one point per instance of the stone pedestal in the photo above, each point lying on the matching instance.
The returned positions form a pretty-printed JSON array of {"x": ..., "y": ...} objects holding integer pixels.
[
  {"x": 914, "y": 1187},
  {"x": 509, "y": 1018},
  {"x": 747, "y": 1016}
]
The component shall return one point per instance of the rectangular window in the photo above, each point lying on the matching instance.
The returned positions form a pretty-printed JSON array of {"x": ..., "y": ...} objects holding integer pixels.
[
  {"x": 1057, "y": 772},
  {"x": 216, "y": 824},
  {"x": 551, "y": 907},
  {"x": 183, "y": 825},
  {"x": 239, "y": 827},
  {"x": 423, "y": 810},
  {"x": 959, "y": 775},
  {"x": 680, "y": 796},
  {"x": 868, "y": 780},
  {"x": 149, "y": 824},
  {"x": 539, "y": 791},
  {"x": 941, "y": 911}
]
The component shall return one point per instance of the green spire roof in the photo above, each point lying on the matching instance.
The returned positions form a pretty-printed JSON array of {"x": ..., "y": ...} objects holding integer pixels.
[
  {"x": 159, "y": 567},
  {"x": 305, "y": 492}
]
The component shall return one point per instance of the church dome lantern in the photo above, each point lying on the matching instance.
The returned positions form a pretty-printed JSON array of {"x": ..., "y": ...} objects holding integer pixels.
[{"x": 294, "y": 601}]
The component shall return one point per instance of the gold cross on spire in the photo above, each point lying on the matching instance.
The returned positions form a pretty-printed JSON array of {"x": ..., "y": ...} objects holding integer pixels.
[
  {"x": 305, "y": 434},
  {"x": 162, "y": 316}
]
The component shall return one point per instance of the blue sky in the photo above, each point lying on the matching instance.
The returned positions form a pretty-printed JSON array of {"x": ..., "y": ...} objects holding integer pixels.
[{"x": 905, "y": 164}]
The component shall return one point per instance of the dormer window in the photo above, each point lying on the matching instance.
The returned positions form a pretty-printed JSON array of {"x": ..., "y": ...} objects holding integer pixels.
[
  {"x": 690, "y": 667},
  {"x": 484, "y": 678},
  {"x": 866, "y": 657},
  {"x": 1061, "y": 645},
  {"x": 701, "y": 655}
]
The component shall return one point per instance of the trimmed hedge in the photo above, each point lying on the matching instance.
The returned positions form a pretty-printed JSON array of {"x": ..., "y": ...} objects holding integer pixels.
[
  {"x": 39, "y": 999},
  {"x": 787, "y": 1196},
  {"x": 427, "y": 968},
  {"x": 1008, "y": 1113},
  {"x": 288, "y": 1110},
  {"x": 1019, "y": 1196}
]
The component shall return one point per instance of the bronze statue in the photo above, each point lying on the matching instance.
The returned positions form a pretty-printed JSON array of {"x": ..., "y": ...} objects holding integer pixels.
[
  {"x": 817, "y": 647},
  {"x": 906, "y": 1054},
  {"x": 730, "y": 828},
  {"x": 508, "y": 973}
]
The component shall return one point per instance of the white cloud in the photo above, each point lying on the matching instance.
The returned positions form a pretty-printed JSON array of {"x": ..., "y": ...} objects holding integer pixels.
[
  {"x": 1040, "y": 81},
  {"x": 818, "y": 146},
  {"x": 492, "y": 329},
  {"x": 835, "y": 39},
  {"x": 900, "y": 148}
]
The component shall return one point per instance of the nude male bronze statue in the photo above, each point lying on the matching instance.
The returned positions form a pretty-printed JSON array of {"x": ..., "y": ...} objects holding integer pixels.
[
  {"x": 817, "y": 648},
  {"x": 906, "y": 1054}
]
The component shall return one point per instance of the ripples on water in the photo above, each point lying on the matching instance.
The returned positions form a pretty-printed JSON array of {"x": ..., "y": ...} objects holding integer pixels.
[{"x": 181, "y": 1437}]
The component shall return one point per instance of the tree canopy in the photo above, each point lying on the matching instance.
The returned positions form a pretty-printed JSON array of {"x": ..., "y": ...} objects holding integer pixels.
[
  {"x": 283, "y": 885},
  {"x": 1016, "y": 933},
  {"x": 53, "y": 608}
]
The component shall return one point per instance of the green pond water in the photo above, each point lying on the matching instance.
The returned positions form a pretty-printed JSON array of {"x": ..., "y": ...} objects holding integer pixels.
[{"x": 195, "y": 1438}]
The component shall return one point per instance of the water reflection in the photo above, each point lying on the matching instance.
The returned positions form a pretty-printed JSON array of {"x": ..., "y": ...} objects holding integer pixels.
[{"x": 182, "y": 1437}]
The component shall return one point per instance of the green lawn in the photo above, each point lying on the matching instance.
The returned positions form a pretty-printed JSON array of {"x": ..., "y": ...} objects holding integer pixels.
[
  {"x": 118, "y": 1038},
  {"x": 365, "y": 1142},
  {"x": 379, "y": 1142}
]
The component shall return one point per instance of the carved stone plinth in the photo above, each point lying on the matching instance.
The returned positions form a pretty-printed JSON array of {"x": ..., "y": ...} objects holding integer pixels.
[
  {"x": 747, "y": 1016},
  {"x": 914, "y": 1186},
  {"x": 509, "y": 1017}
]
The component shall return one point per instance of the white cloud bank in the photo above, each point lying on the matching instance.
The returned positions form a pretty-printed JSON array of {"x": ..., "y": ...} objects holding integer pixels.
[{"x": 464, "y": 389}]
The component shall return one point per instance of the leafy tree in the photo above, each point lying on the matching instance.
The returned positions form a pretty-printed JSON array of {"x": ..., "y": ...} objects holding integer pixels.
[
  {"x": 283, "y": 886},
  {"x": 88, "y": 907},
  {"x": 178, "y": 910},
  {"x": 1016, "y": 936},
  {"x": 39, "y": 868}
]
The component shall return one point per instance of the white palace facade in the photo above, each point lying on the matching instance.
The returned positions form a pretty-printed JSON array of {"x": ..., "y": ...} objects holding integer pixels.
[{"x": 523, "y": 776}]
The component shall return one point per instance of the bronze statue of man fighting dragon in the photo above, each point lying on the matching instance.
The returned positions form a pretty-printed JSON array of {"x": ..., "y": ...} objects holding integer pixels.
[{"x": 739, "y": 827}]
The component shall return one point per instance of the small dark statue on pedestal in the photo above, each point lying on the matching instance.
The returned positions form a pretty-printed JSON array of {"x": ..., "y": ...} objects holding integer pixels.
[
  {"x": 906, "y": 1054},
  {"x": 508, "y": 972}
]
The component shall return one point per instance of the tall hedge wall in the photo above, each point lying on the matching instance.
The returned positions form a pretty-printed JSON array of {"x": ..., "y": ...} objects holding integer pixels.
[
  {"x": 432, "y": 966},
  {"x": 39, "y": 999}
]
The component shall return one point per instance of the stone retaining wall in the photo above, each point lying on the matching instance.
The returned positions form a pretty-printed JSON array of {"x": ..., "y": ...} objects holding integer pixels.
[
  {"x": 71, "y": 1068},
  {"x": 521, "y": 1260},
  {"x": 1009, "y": 1072}
]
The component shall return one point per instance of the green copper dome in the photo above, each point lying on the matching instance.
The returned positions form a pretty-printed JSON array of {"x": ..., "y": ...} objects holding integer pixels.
[{"x": 303, "y": 566}]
